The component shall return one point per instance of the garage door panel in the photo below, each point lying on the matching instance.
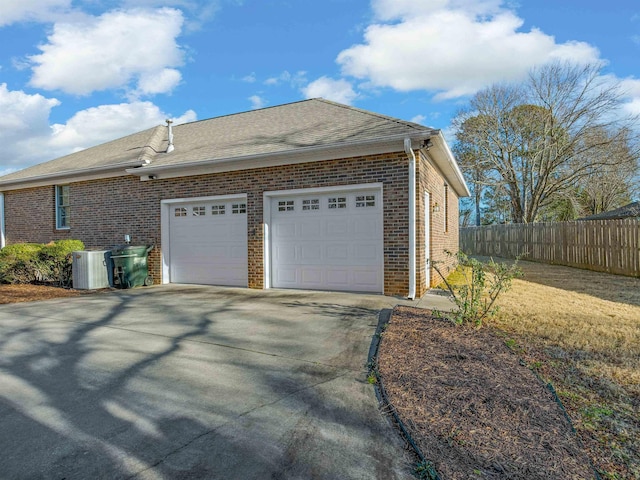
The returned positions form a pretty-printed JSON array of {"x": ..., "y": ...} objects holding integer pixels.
[
  {"x": 338, "y": 277},
  {"x": 286, "y": 229},
  {"x": 337, "y": 251},
  {"x": 365, "y": 253},
  {"x": 286, "y": 277},
  {"x": 311, "y": 252},
  {"x": 285, "y": 254},
  {"x": 337, "y": 227},
  {"x": 366, "y": 278},
  {"x": 310, "y": 227},
  {"x": 310, "y": 277},
  {"x": 364, "y": 227},
  {"x": 335, "y": 246},
  {"x": 208, "y": 248}
]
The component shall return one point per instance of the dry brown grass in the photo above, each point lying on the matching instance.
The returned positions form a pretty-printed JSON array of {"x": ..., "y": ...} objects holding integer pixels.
[{"x": 581, "y": 331}]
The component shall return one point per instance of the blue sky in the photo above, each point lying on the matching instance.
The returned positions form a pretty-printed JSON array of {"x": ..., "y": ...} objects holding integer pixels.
[{"x": 75, "y": 73}]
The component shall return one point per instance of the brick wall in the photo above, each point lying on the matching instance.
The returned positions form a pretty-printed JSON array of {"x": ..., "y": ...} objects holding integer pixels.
[
  {"x": 103, "y": 211},
  {"x": 431, "y": 180}
]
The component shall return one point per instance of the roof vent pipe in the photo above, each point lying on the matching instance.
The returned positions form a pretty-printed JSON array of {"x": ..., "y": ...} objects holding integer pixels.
[{"x": 170, "y": 147}]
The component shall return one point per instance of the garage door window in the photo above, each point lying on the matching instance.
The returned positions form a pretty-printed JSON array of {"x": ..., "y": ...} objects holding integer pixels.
[
  {"x": 217, "y": 210},
  {"x": 286, "y": 206},
  {"x": 238, "y": 208},
  {"x": 199, "y": 211},
  {"x": 363, "y": 201},
  {"x": 311, "y": 204},
  {"x": 180, "y": 212},
  {"x": 338, "y": 202}
]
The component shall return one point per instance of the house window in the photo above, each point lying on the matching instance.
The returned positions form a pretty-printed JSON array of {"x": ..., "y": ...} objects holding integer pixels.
[
  {"x": 63, "y": 208},
  {"x": 238, "y": 208},
  {"x": 446, "y": 207}
]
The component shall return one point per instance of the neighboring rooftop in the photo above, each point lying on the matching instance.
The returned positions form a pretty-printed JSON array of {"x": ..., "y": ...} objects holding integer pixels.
[
  {"x": 308, "y": 123},
  {"x": 628, "y": 211}
]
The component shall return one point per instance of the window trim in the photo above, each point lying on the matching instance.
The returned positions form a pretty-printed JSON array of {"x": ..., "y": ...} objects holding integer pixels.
[{"x": 59, "y": 190}]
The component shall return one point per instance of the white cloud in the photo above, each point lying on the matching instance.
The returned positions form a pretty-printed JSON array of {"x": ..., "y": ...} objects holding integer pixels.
[
  {"x": 27, "y": 136},
  {"x": 251, "y": 78},
  {"x": 23, "y": 115},
  {"x": 419, "y": 119},
  {"x": 23, "y": 10},
  {"x": 454, "y": 47},
  {"x": 134, "y": 49},
  {"x": 107, "y": 122},
  {"x": 337, "y": 90},
  {"x": 630, "y": 89},
  {"x": 295, "y": 80},
  {"x": 257, "y": 102},
  {"x": 159, "y": 82}
]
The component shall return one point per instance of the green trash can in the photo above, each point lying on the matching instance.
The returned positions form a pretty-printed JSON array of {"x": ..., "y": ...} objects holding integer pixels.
[{"x": 130, "y": 266}]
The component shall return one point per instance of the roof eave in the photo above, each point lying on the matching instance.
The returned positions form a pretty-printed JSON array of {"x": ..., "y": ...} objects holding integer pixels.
[
  {"x": 442, "y": 156},
  {"x": 71, "y": 176}
]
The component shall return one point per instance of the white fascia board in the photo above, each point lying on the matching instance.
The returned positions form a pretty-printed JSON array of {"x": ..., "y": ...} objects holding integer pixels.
[
  {"x": 446, "y": 163},
  {"x": 69, "y": 177},
  {"x": 303, "y": 155},
  {"x": 2, "y": 235}
]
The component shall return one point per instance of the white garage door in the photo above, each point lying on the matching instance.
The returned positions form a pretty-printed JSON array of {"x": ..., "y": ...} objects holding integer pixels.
[
  {"x": 328, "y": 241},
  {"x": 208, "y": 242}
]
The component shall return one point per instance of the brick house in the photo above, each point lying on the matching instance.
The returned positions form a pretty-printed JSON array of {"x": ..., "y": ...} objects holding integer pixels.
[{"x": 311, "y": 195}]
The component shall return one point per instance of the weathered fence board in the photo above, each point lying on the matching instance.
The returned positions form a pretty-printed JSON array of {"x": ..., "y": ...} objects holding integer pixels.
[{"x": 601, "y": 245}]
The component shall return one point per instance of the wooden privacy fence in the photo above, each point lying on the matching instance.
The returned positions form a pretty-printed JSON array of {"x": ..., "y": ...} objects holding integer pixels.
[{"x": 602, "y": 245}]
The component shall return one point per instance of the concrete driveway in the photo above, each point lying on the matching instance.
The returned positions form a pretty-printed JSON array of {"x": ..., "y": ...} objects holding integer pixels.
[{"x": 178, "y": 381}]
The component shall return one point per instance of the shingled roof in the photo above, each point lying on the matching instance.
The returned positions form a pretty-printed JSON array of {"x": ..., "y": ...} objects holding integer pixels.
[
  {"x": 628, "y": 211},
  {"x": 294, "y": 127}
]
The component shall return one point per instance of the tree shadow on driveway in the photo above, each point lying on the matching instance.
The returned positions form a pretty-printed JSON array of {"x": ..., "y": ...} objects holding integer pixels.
[{"x": 87, "y": 394}]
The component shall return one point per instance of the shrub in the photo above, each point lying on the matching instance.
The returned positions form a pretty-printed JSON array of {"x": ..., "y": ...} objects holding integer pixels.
[
  {"x": 36, "y": 263},
  {"x": 17, "y": 261},
  {"x": 56, "y": 262},
  {"x": 476, "y": 288}
]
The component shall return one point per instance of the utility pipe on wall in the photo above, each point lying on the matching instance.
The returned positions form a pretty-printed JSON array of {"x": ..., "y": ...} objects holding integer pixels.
[{"x": 412, "y": 218}]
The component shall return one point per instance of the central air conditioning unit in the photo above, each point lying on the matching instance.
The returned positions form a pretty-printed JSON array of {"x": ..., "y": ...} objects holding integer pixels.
[{"x": 90, "y": 271}]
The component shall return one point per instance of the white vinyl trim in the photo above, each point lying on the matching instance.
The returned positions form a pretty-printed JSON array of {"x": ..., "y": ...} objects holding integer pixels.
[
  {"x": 427, "y": 238},
  {"x": 165, "y": 212},
  {"x": 266, "y": 205},
  {"x": 2, "y": 238},
  {"x": 412, "y": 218}
]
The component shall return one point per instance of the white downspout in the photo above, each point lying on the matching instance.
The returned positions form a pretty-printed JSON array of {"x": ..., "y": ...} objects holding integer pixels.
[
  {"x": 412, "y": 218},
  {"x": 2, "y": 239}
]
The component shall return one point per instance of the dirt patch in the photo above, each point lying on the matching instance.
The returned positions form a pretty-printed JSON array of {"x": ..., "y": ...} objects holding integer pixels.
[
  {"x": 31, "y": 293},
  {"x": 470, "y": 404}
]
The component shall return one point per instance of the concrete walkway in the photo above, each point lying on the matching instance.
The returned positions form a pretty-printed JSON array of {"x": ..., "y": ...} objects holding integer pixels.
[{"x": 176, "y": 381}]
